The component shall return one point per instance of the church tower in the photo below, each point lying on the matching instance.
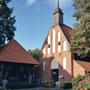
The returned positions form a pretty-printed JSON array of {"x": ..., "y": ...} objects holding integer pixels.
[{"x": 58, "y": 15}]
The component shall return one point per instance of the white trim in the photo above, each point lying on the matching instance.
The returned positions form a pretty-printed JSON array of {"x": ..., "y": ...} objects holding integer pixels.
[
  {"x": 64, "y": 63},
  {"x": 44, "y": 51},
  {"x": 53, "y": 41},
  {"x": 64, "y": 46},
  {"x": 44, "y": 66},
  {"x": 49, "y": 37},
  {"x": 59, "y": 39}
]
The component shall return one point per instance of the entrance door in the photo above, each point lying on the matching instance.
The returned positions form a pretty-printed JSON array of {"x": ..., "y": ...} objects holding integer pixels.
[{"x": 55, "y": 75}]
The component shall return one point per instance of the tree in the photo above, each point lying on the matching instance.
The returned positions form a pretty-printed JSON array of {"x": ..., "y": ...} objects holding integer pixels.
[
  {"x": 7, "y": 22},
  {"x": 80, "y": 42},
  {"x": 35, "y": 53}
]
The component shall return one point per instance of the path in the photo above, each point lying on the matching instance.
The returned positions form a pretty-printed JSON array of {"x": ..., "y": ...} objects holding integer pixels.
[{"x": 42, "y": 89}]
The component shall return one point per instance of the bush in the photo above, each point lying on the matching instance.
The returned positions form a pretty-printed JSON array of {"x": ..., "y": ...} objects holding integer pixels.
[
  {"x": 49, "y": 85},
  {"x": 66, "y": 85},
  {"x": 20, "y": 85},
  {"x": 75, "y": 81},
  {"x": 84, "y": 84},
  {"x": 79, "y": 78}
]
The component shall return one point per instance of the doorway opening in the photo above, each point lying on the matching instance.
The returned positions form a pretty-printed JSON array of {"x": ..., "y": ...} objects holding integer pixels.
[
  {"x": 55, "y": 75},
  {"x": 54, "y": 70}
]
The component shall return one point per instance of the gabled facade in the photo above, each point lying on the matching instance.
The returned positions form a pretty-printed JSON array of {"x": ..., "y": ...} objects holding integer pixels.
[{"x": 56, "y": 59}]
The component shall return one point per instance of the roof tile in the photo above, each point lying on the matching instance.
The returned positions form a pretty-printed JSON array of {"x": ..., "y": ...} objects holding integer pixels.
[{"x": 14, "y": 52}]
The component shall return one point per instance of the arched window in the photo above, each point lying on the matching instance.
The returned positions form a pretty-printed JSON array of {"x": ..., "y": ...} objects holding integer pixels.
[
  {"x": 64, "y": 63},
  {"x": 59, "y": 43},
  {"x": 44, "y": 66},
  {"x": 49, "y": 44},
  {"x": 64, "y": 46},
  {"x": 44, "y": 52},
  {"x": 53, "y": 41}
]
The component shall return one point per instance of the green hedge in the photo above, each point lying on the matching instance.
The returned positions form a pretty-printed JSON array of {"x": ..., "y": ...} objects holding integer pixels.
[
  {"x": 66, "y": 85},
  {"x": 49, "y": 85},
  {"x": 20, "y": 85}
]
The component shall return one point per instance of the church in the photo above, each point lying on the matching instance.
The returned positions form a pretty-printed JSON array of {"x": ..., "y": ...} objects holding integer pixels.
[{"x": 57, "y": 62}]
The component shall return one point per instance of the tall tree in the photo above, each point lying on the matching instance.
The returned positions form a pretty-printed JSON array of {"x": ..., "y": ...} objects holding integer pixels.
[
  {"x": 80, "y": 42},
  {"x": 35, "y": 53},
  {"x": 7, "y": 22}
]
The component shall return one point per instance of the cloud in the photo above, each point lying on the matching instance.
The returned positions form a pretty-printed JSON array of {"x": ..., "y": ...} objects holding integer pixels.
[
  {"x": 63, "y": 3},
  {"x": 30, "y": 2}
]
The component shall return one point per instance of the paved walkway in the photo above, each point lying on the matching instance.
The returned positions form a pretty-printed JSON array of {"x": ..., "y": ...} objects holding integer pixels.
[{"x": 43, "y": 89}]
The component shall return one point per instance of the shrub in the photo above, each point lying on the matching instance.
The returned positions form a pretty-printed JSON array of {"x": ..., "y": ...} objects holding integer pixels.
[
  {"x": 78, "y": 80},
  {"x": 84, "y": 84},
  {"x": 66, "y": 85},
  {"x": 75, "y": 81},
  {"x": 20, "y": 85},
  {"x": 49, "y": 85}
]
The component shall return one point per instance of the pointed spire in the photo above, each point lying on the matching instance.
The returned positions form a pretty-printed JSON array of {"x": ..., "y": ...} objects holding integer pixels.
[{"x": 57, "y": 3}]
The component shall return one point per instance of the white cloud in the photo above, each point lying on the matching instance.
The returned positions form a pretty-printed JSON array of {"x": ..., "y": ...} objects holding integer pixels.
[
  {"x": 63, "y": 3},
  {"x": 30, "y": 2}
]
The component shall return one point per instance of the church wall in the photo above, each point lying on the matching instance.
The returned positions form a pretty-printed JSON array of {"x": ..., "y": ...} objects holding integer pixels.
[
  {"x": 46, "y": 75},
  {"x": 77, "y": 69}
]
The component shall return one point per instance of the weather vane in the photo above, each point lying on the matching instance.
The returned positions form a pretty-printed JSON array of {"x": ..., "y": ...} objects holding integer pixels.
[{"x": 58, "y": 3}]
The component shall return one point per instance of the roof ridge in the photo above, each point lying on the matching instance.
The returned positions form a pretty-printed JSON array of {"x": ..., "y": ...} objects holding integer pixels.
[
  {"x": 6, "y": 50},
  {"x": 25, "y": 51},
  {"x": 67, "y": 26}
]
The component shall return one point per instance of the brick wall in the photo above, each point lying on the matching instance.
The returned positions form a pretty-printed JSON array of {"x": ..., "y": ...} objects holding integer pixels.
[
  {"x": 46, "y": 75},
  {"x": 77, "y": 69}
]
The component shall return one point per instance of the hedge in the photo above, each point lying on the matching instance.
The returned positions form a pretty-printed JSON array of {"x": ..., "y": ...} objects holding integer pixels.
[
  {"x": 20, "y": 85},
  {"x": 66, "y": 85},
  {"x": 49, "y": 85}
]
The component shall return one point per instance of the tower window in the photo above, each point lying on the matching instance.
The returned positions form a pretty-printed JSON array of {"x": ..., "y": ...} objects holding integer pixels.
[
  {"x": 49, "y": 46},
  {"x": 59, "y": 43}
]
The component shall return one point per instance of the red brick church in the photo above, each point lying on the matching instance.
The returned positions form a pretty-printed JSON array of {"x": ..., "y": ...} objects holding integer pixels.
[{"x": 56, "y": 59}]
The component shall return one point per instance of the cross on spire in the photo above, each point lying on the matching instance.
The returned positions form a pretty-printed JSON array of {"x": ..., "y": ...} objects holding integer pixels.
[{"x": 57, "y": 3}]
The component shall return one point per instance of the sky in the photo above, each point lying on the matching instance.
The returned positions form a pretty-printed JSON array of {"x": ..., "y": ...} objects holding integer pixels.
[{"x": 34, "y": 19}]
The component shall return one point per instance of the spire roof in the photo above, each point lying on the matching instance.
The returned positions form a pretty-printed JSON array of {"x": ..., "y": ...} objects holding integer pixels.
[{"x": 58, "y": 10}]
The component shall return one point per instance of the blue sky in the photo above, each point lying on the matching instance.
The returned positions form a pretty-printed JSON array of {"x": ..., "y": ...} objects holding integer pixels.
[{"x": 34, "y": 19}]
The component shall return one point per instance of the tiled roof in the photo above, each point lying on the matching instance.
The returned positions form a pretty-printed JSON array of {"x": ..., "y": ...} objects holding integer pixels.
[
  {"x": 84, "y": 64},
  {"x": 58, "y": 10},
  {"x": 14, "y": 52},
  {"x": 67, "y": 31}
]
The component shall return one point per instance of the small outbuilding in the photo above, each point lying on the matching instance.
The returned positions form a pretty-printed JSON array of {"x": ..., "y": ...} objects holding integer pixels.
[{"x": 16, "y": 64}]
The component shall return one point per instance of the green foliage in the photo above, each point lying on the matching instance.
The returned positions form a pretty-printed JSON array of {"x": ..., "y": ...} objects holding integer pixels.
[
  {"x": 79, "y": 78},
  {"x": 75, "y": 81},
  {"x": 84, "y": 84},
  {"x": 35, "y": 53},
  {"x": 20, "y": 85},
  {"x": 49, "y": 85},
  {"x": 7, "y": 22},
  {"x": 81, "y": 39},
  {"x": 66, "y": 85}
]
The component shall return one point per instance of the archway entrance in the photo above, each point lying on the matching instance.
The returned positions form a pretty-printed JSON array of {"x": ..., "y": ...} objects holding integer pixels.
[{"x": 55, "y": 70}]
